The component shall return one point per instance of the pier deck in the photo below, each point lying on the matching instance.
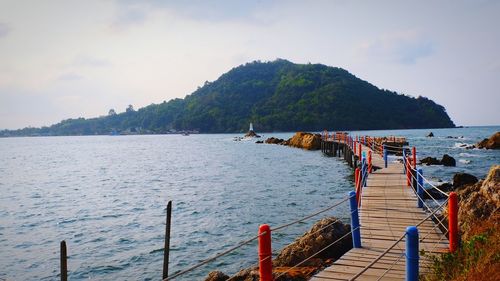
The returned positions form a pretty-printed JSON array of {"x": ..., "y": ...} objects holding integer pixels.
[{"x": 388, "y": 206}]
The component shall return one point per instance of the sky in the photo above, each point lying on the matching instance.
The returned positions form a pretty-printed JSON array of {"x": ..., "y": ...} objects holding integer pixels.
[{"x": 69, "y": 59}]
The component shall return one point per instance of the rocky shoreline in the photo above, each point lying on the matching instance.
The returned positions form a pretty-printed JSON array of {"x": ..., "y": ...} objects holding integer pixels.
[{"x": 308, "y": 141}]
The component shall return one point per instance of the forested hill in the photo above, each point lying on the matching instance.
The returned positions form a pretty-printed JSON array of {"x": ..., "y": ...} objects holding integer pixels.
[{"x": 275, "y": 96}]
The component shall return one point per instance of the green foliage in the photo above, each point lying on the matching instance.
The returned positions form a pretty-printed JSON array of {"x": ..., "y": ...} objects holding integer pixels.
[
  {"x": 275, "y": 96},
  {"x": 475, "y": 258}
]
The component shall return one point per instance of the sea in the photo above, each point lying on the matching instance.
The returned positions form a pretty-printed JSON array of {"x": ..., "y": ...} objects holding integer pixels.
[{"x": 106, "y": 196}]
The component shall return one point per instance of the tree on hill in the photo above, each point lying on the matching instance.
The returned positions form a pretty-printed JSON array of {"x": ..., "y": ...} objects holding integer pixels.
[{"x": 276, "y": 96}]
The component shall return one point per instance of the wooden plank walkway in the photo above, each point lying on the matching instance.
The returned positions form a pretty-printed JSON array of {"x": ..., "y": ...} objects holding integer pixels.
[{"x": 388, "y": 206}]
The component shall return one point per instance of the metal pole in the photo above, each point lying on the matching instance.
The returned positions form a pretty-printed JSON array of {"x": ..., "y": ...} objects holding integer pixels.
[
  {"x": 166, "y": 249},
  {"x": 356, "y": 235},
  {"x": 385, "y": 155},
  {"x": 412, "y": 253},
  {"x": 420, "y": 187},
  {"x": 64, "y": 262}
]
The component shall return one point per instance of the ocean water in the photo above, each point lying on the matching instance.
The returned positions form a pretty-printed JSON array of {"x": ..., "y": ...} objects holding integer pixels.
[{"x": 106, "y": 196}]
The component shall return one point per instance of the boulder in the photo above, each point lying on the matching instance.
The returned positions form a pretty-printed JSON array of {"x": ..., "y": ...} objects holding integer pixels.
[
  {"x": 251, "y": 134},
  {"x": 430, "y": 161},
  {"x": 273, "y": 140},
  {"x": 479, "y": 201},
  {"x": 430, "y": 135},
  {"x": 448, "y": 161},
  {"x": 216, "y": 276},
  {"x": 322, "y": 234},
  {"x": 307, "y": 141},
  {"x": 492, "y": 143},
  {"x": 460, "y": 179},
  {"x": 318, "y": 237},
  {"x": 259, "y": 141}
]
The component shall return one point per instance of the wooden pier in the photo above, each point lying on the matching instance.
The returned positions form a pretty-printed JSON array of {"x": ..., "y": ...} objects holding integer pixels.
[{"x": 388, "y": 207}]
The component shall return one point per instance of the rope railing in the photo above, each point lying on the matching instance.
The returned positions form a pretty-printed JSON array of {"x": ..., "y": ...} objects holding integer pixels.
[
  {"x": 206, "y": 261},
  {"x": 318, "y": 252},
  {"x": 248, "y": 241},
  {"x": 433, "y": 229},
  {"x": 391, "y": 246},
  {"x": 390, "y": 267},
  {"x": 278, "y": 228},
  {"x": 432, "y": 185},
  {"x": 414, "y": 180},
  {"x": 405, "y": 160}
]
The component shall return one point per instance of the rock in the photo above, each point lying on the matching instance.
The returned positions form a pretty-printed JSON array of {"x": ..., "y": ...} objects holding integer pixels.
[
  {"x": 216, "y": 276},
  {"x": 273, "y": 140},
  {"x": 322, "y": 234},
  {"x": 445, "y": 187},
  {"x": 318, "y": 237},
  {"x": 479, "y": 201},
  {"x": 307, "y": 141},
  {"x": 430, "y": 161},
  {"x": 251, "y": 134},
  {"x": 492, "y": 143},
  {"x": 448, "y": 161},
  {"x": 430, "y": 135},
  {"x": 259, "y": 141},
  {"x": 460, "y": 179}
]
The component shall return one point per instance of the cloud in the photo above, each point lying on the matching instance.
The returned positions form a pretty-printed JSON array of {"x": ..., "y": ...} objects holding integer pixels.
[
  {"x": 70, "y": 76},
  {"x": 4, "y": 29},
  {"x": 90, "y": 61},
  {"x": 402, "y": 47},
  {"x": 130, "y": 14},
  {"x": 137, "y": 11}
]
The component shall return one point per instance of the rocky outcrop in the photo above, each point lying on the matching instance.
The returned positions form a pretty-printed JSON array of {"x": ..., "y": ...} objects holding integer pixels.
[
  {"x": 273, "y": 140},
  {"x": 478, "y": 201},
  {"x": 430, "y": 135},
  {"x": 492, "y": 143},
  {"x": 322, "y": 234},
  {"x": 216, "y": 276},
  {"x": 251, "y": 134},
  {"x": 448, "y": 161},
  {"x": 430, "y": 161},
  {"x": 318, "y": 237},
  {"x": 307, "y": 141},
  {"x": 461, "y": 179}
]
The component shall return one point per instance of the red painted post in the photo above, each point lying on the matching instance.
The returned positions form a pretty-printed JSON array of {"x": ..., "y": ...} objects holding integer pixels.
[
  {"x": 369, "y": 161},
  {"x": 414, "y": 154},
  {"x": 356, "y": 174},
  {"x": 265, "y": 252},
  {"x": 354, "y": 148},
  {"x": 358, "y": 184},
  {"x": 453, "y": 221},
  {"x": 359, "y": 150}
]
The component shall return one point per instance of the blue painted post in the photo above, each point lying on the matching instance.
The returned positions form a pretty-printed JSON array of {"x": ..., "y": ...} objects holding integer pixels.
[
  {"x": 411, "y": 253},
  {"x": 404, "y": 161},
  {"x": 356, "y": 235},
  {"x": 385, "y": 155},
  {"x": 420, "y": 187}
]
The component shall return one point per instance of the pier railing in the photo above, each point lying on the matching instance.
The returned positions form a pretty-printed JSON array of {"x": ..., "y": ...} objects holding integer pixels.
[
  {"x": 358, "y": 152},
  {"x": 415, "y": 180}
]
